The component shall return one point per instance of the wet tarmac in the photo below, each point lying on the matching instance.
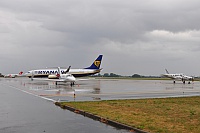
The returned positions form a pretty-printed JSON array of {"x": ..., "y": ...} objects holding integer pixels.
[
  {"x": 22, "y": 111},
  {"x": 27, "y": 106},
  {"x": 105, "y": 89}
]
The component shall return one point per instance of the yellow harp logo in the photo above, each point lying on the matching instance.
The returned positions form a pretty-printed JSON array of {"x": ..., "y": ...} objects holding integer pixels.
[{"x": 97, "y": 63}]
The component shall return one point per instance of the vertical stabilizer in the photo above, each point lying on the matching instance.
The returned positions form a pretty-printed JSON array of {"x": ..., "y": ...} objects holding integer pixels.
[
  {"x": 166, "y": 71},
  {"x": 20, "y": 73},
  {"x": 67, "y": 70},
  {"x": 96, "y": 64}
]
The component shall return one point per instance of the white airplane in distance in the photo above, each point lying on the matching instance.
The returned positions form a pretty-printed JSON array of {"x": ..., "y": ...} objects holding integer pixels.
[
  {"x": 13, "y": 75},
  {"x": 65, "y": 77},
  {"x": 51, "y": 72},
  {"x": 179, "y": 76}
]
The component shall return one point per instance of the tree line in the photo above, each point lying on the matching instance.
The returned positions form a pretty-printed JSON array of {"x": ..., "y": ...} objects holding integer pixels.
[{"x": 117, "y": 75}]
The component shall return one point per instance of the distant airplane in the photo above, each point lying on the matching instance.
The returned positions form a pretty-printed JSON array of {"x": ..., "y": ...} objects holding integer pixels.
[
  {"x": 65, "y": 77},
  {"x": 179, "y": 76},
  {"x": 13, "y": 75},
  {"x": 93, "y": 69}
]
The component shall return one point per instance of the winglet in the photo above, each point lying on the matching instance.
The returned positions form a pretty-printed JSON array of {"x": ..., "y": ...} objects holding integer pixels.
[{"x": 96, "y": 64}]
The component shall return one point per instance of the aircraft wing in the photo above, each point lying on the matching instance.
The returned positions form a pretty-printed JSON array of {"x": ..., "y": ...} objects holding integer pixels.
[
  {"x": 53, "y": 80},
  {"x": 46, "y": 79},
  {"x": 84, "y": 79}
]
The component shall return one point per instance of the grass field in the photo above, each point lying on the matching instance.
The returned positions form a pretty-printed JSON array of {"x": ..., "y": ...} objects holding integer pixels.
[{"x": 163, "y": 115}]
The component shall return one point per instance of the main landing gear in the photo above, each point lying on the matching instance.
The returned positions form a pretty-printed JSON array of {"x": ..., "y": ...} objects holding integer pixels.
[
  {"x": 72, "y": 84},
  {"x": 188, "y": 82},
  {"x": 182, "y": 81}
]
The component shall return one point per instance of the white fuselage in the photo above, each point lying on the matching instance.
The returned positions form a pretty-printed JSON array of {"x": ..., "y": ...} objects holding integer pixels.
[
  {"x": 67, "y": 78},
  {"x": 13, "y": 75},
  {"x": 10, "y": 76},
  {"x": 174, "y": 76},
  {"x": 181, "y": 77},
  {"x": 74, "y": 72}
]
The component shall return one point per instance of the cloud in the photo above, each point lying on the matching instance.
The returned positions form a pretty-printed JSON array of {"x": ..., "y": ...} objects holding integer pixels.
[{"x": 134, "y": 35}]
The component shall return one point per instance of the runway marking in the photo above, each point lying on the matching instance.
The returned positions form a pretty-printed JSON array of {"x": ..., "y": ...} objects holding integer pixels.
[{"x": 16, "y": 88}]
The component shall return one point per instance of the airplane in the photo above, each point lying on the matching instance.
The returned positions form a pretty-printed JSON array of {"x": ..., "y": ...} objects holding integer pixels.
[
  {"x": 51, "y": 73},
  {"x": 13, "y": 75},
  {"x": 65, "y": 77},
  {"x": 178, "y": 76}
]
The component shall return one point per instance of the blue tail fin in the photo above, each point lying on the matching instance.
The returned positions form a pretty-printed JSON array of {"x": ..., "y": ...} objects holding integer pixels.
[{"x": 96, "y": 64}]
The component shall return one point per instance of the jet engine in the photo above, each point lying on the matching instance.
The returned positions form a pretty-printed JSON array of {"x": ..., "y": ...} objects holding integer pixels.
[{"x": 52, "y": 77}]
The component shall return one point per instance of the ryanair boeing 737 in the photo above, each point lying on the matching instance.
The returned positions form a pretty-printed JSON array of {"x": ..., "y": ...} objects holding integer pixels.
[{"x": 52, "y": 72}]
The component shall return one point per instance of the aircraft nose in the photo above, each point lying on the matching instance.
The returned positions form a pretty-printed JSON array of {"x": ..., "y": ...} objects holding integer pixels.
[
  {"x": 27, "y": 74},
  {"x": 72, "y": 78}
]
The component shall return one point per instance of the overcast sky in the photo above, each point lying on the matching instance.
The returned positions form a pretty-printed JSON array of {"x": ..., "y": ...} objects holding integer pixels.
[{"x": 134, "y": 36}]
